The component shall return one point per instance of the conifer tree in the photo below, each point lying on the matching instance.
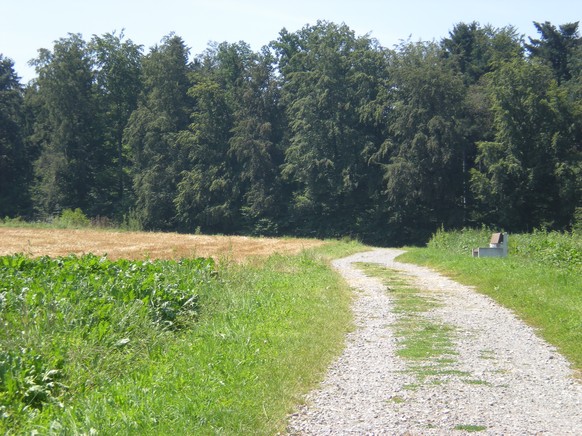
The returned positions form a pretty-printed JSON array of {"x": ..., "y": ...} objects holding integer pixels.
[{"x": 153, "y": 129}]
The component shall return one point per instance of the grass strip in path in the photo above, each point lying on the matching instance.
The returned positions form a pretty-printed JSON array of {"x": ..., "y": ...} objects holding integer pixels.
[{"x": 426, "y": 344}]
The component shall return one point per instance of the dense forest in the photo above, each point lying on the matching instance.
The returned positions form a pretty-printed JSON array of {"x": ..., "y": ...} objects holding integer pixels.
[{"x": 320, "y": 133}]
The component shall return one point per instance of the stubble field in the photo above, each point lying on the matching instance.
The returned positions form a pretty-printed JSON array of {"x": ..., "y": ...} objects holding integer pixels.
[{"x": 37, "y": 242}]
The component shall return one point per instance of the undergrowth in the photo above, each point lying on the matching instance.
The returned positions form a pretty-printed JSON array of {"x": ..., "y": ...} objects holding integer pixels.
[{"x": 561, "y": 250}]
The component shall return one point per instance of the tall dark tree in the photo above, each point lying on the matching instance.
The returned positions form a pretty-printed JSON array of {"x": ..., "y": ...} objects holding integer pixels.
[
  {"x": 208, "y": 196},
  {"x": 475, "y": 50},
  {"x": 424, "y": 176},
  {"x": 556, "y": 47},
  {"x": 329, "y": 76},
  {"x": 530, "y": 175},
  {"x": 467, "y": 48},
  {"x": 153, "y": 129},
  {"x": 118, "y": 81},
  {"x": 231, "y": 182},
  {"x": 255, "y": 146},
  {"x": 67, "y": 129},
  {"x": 14, "y": 158}
]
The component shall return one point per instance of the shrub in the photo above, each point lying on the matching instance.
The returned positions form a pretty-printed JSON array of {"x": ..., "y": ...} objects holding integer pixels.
[
  {"x": 460, "y": 241},
  {"x": 14, "y": 222},
  {"x": 102, "y": 222},
  {"x": 577, "y": 224},
  {"x": 562, "y": 250},
  {"x": 132, "y": 221},
  {"x": 70, "y": 218}
]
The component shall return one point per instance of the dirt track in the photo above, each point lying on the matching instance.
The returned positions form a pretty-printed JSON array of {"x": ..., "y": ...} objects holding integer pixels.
[
  {"x": 142, "y": 245},
  {"x": 499, "y": 379}
]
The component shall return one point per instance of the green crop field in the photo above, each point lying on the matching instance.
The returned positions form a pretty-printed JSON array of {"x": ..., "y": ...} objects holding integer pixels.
[{"x": 89, "y": 345}]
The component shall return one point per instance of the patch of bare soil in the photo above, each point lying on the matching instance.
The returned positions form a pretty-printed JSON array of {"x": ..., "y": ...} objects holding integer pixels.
[{"x": 143, "y": 245}]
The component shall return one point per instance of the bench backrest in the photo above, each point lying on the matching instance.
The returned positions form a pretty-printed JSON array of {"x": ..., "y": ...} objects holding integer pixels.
[{"x": 496, "y": 238}]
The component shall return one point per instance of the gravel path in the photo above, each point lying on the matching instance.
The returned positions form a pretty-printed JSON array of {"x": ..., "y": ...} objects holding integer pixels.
[{"x": 502, "y": 379}]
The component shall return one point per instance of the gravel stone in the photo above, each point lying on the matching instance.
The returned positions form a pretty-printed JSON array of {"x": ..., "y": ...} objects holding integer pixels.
[{"x": 505, "y": 380}]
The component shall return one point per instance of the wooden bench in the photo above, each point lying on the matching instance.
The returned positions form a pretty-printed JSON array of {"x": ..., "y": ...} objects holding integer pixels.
[{"x": 497, "y": 247}]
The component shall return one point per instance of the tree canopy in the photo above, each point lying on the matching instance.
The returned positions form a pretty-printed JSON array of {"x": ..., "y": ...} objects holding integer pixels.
[{"x": 321, "y": 132}]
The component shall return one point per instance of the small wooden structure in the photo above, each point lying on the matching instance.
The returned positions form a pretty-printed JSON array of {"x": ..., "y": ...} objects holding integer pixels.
[{"x": 497, "y": 247}]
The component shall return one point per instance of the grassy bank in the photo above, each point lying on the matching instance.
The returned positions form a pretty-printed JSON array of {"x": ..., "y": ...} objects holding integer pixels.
[
  {"x": 540, "y": 280},
  {"x": 165, "y": 347}
]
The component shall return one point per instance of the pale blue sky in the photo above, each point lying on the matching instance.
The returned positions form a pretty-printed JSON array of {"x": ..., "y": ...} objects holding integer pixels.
[{"x": 28, "y": 25}]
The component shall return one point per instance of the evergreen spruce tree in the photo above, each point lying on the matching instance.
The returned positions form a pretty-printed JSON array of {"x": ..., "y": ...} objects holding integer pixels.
[
  {"x": 153, "y": 129},
  {"x": 15, "y": 166}
]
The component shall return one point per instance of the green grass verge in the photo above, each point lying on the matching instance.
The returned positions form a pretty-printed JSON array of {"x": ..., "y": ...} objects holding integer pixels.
[
  {"x": 540, "y": 280},
  {"x": 262, "y": 336}
]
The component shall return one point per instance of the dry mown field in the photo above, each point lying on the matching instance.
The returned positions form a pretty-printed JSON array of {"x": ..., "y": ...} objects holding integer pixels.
[{"x": 142, "y": 245}]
